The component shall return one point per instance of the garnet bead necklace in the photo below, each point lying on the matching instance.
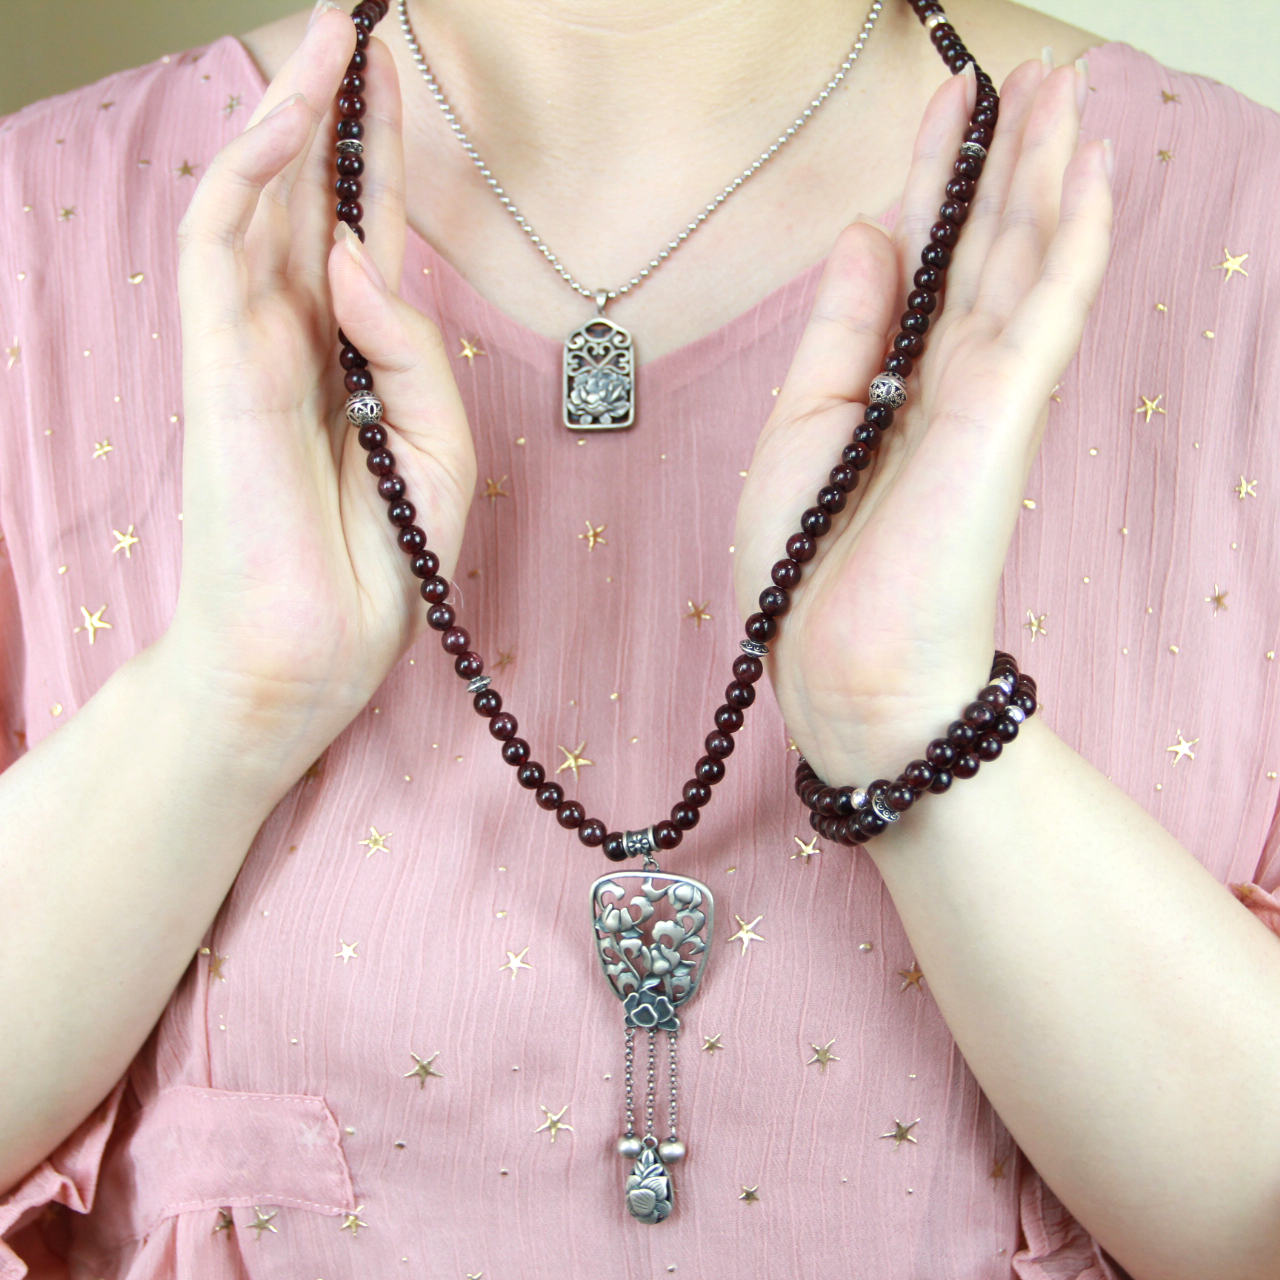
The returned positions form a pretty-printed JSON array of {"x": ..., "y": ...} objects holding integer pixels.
[{"x": 654, "y": 975}]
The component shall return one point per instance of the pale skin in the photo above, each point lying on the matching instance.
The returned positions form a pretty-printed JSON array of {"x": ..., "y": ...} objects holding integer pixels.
[{"x": 1118, "y": 1050}]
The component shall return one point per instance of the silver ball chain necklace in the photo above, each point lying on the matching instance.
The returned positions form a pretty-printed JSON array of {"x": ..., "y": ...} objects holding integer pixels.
[{"x": 598, "y": 384}]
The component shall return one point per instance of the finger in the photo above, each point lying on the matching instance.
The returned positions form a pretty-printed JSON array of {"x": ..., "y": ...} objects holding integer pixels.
[
  {"x": 941, "y": 131},
  {"x": 844, "y": 340},
  {"x": 407, "y": 357},
  {"x": 989, "y": 200},
  {"x": 212, "y": 285},
  {"x": 315, "y": 68},
  {"x": 1030, "y": 214}
]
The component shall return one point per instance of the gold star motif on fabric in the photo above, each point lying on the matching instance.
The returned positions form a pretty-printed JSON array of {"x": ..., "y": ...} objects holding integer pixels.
[
  {"x": 494, "y": 489},
  {"x": 1165, "y": 156},
  {"x": 353, "y": 1221},
  {"x": 912, "y": 977},
  {"x": 504, "y": 660},
  {"x": 377, "y": 841},
  {"x": 422, "y": 1069},
  {"x": 573, "y": 759},
  {"x": 749, "y": 1194},
  {"x": 1218, "y": 599},
  {"x": 997, "y": 1169},
  {"x": 14, "y": 352},
  {"x": 1035, "y": 625},
  {"x": 516, "y": 962},
  {"x": 137, "y": 277},
  {"x": 553, "y": 1124},
  {"x": 901, "y": 1132},
  {"x": 1183, "y": 748},
  {"x": 745, "y": 933},
  {"x": 93, "y": 622},
  {"x": 124, "y": 541},
  {"x": 185, "y": 170},
  {"x": 1231, "y": 264},
  {"x": 592, "y": 535},
  {"x": 263, "y": 1221},
  {"x": 233, "y": 101},
  {"x": 699, "y": 614},
  {"x": 224, "y": 1222},
  {"x": 807, "y": 848},
  {"x": 348, "y": 951},
  {"x": 1246, "y": 489},
  {"x": 1166, "y": 96},
  {"x": 470, "y": 350},
  {"x": 1150, "y": 406},
  {"x": 66, "y": 213},
  {"x": 102, "y": 447},
  {"x": 215, "y": 964},
  {"x": 711, "y": 1043},
  {"x": 822, "y": 1055}
]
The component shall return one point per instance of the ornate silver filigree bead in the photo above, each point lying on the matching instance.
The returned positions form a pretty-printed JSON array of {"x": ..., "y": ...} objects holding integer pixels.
[
  {"x": 640, "y": 842},
  {"x": 753, "y": 647},
  {"x": 881, "y": 808},
  {"x": 352, "y": 146},
  {"x": 973, "y": 149},
  {"x": 1016, "y": 714},
  {"x": 363, "y": 409},
  {"x": 888, "y": 388},
  {"x": 478, "y": 684}
]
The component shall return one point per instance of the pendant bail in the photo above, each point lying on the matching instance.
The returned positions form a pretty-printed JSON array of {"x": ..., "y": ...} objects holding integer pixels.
[{"x": 602, "y": 301}]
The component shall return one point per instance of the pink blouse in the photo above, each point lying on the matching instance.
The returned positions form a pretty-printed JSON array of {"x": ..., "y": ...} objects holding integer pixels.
[{"x": 405, "y": 904}]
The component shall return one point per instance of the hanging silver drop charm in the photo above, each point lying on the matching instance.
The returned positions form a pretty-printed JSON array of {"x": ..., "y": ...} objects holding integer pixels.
[
  {"x": 599, "y": 385},
  {"x": 654, "y": 964}
]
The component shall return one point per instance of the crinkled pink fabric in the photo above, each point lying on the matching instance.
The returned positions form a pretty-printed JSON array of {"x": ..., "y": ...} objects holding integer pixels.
[{"x": 282, "y": 1083}]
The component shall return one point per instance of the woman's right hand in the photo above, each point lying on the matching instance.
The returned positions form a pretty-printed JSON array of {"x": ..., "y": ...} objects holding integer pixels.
[{"x": 295, "y": 597}]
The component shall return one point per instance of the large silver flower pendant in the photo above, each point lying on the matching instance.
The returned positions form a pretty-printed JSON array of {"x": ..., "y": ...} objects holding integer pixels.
[
  {"x": 649, "y": 1188},
  {"x": 599, "y": 377}
]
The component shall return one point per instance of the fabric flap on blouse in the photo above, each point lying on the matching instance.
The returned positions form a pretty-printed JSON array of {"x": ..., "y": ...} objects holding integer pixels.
[{"x": 199, "y": 1148}]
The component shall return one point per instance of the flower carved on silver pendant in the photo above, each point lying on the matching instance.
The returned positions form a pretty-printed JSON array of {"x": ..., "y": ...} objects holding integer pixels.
[
  {"x": 649, "y": 1189},
  {"x": 650, "y": 1010},
  {"x": 600, "y": 394}
]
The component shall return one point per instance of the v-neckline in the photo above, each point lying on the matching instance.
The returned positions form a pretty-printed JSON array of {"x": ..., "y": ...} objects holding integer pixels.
[{"x": 550, "y": 349}]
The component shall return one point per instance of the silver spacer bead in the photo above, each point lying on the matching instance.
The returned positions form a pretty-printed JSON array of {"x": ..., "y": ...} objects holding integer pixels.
[
  {"x": 753, "y": 647},
  {"x": 640, "y": 842},
  {"x": 973, "y": 149},
  {"x": 478, "y": 684},
  {"x": 888, "y": 388},
  {"x": 670, "y": 1150},
  {"x": 881, "y": 808},
  {"x": 363, "y": 409},
  {"x": 860, "y": 799},
  {"x": 630, "y": 1146},
  {"x": 353, "y": 146},
  {"x": 1016, "y": 714},
  {"x": 934, "y": 20}
]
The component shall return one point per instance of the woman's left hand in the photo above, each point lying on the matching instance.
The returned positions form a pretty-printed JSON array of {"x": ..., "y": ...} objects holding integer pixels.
[{"x": 890, "y": 633}]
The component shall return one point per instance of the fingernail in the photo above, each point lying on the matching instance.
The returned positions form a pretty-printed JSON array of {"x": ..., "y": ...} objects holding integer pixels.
[
  {"x": 281, "y": 107},
  {"x": 1046, "y": 56},
  {"x": 342, "y": 232},
  {"x": 1109, "y": 157},
  {"x": 319, "y": 9},
  {"x": 1082, "y": 83}
]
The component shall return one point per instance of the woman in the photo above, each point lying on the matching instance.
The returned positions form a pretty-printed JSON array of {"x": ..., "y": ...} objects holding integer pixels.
[{"x": 981, "y": 1050}]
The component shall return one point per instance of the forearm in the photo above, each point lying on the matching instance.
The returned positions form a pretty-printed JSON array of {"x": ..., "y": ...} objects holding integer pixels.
[
  {"x": 1119, "y": 1007},
  {"x": 120, "y": 835}
]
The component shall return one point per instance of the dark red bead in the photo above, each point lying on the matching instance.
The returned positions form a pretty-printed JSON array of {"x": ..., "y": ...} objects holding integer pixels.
[
  {"x": 728, "y": 719},
  {"x": 832, "y": 499},
  {"x": 774, "y": 600},
  {"x": 914, "y": 322},
  {"x": 411, "y": 539},
  {"x": 570, "y": 814},
  {"x": 867, "y": 435},
  {"x": 944, "y": 233},
  {"x": 685, "y": 816},
  {"x": 989, "y": 747},
  {"x": 347, "y": 189},
  {"x": 592, "y": 833},
  {"x": 1026, "y": 702},
  {"x": 350, "y": 165},
  {"x": 858, "y": 456},
  {"x": 954, "y": 211},
  {"x": 352, "y": 82},
  {"x": 941, "y": 781},
  {"x": 911, "y": 343},
  {"x": 898, "y": 362},
  {"x": 979, "y": 715},
  {"x": 350, "y": 358},
  {"x": 738, "y": 694},
  {"x": 696, "y": 793},
  {"x": 994, "y": 697},
  {"x": 961, "y": 735},
  {"x": 531, "y": 774},
  {"x": 747, "y": 668},
  {"x": 785, "y": 573},
  {"x": 615, "y": 847},
  {"x": 966, "y": 765},
  {"x": 488, "y": 702},
  {"x": 515, "y": 751},
  {"x": 350, "y": 129},
  {"x": 362, "y": 38},
  {"x": 922, "y": 300},
  {"x": 434, "y": 589},
  {"x": 827, "y": 801},
  {"x": 455, "y": 641},
  {"x": 936, "y": 255},
  {"x": 351, "y": 106},
  {"x": 667, "y": 834},
  {"x": 391, "y": 486},
  {"x": 981, "y": 135},
  {"x": 760, "y": 628},
  {"x": 844, "y": 477},
  {"x": 960, "y": 189},
  {"x": 801, "y": 547},
  {"x": 358, "y": 61},
  {"x": 350, "y": 211},
  {"x": 380, "y": 461},
  {"x": 549, "y": 795},
  {"x": 358, "y": 380},
  {"x": 425, "y": 564},
  {"x": 879, "y": 416},
  {"x": 928, "y": 279},
  {"x": 967, "y": 167},
  {"x": 815, "y": 521},
  {"x": 372, "y": 436},
  {"x": 718, "y": 745},
  {"x": 503, "y": 725},
  {"x": 870, "y": 825},
  {"x": 1005, "y": 729},
  {"x": 919, "y": 773},
  {"x": 940, "y": 753},
  {"x": 901, "y": 797},
  {"x": 402, "y": 512},
  {"x": 440, "y": 617},
  {"x": 709, "y": 769},
  {"x": 468, "y": 665}
]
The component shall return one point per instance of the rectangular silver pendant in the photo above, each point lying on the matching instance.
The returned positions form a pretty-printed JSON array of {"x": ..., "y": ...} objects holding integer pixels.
[{"x": 599, "y": 388}]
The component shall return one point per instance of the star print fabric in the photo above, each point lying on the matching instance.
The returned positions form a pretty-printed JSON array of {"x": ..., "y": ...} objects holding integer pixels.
[{"x": 395, "y": 1036}]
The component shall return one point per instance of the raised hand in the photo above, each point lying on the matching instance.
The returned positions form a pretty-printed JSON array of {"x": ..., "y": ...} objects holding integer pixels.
[
  {"x": 891, "y": 631},
  {"x": 294, "y": 594}
]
